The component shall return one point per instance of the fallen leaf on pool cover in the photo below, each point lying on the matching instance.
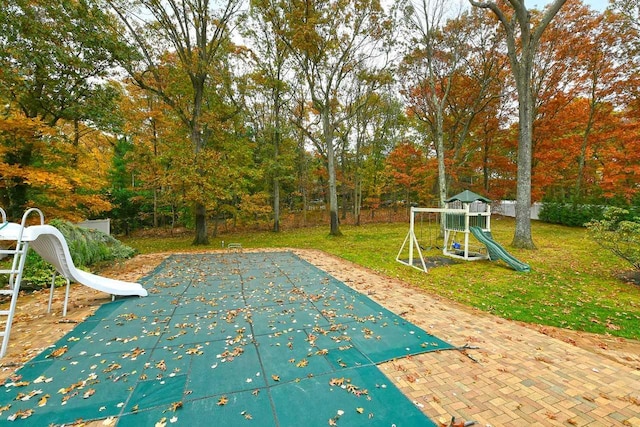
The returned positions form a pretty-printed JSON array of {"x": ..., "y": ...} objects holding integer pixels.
[
  {"x": 275, "y": 377},
  {"x": 175, "y": 406},
  {"x": 336, "y": 381},
  {"x": 303, "y": 363},
  {"x": 58, "y": 352},
  {"x": 21, "y": 384},
  {"x": 223, "y": 401},
  {"x": 21, "y": 414},
  {"x": 195, "y": 350},
  {"x": 43, "y": 400}
]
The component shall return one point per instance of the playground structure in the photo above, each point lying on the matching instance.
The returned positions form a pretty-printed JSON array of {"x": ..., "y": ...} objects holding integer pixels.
[
  {"x": 464, "y": 214},
  {"x": 50, "y": 244},
  {"x": 461, "y": 212}
]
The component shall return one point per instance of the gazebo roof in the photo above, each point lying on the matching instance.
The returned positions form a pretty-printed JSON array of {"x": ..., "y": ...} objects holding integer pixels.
[{"x": 468, "y": 197}]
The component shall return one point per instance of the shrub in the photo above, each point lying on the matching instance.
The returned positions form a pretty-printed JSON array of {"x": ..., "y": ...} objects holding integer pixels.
[
  {"x": 573, "y": 215},
  {"x": 618, "y": 234}
]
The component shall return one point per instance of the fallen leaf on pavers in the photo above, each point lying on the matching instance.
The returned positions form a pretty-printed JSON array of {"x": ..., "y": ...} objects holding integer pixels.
[
  {"x": 544, "y": 359},
  {"x": 223, "y": 400},
  {"x": 58, "y": 352}
]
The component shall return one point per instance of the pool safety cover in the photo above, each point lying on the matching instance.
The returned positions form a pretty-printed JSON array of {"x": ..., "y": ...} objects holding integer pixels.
[{"x": 226, "y": 339}]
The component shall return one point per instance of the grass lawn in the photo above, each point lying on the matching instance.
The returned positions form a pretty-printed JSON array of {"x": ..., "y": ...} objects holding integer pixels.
[{"x": 573, "y": 283}]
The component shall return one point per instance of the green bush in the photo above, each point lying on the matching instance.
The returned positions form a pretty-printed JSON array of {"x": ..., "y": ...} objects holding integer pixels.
[
  {"x": 619, "y": 234},
  {"x": 88, "y": 248},
  {"x": 570, "y": 214}
]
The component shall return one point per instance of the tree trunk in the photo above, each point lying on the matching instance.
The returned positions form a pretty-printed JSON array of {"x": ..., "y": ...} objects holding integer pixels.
[
  {"x": 522, "y": 236},
  {"x": 276, "y": 205},
  {"x": 201, "y": 237},
  {"x": 331, "y": 169},
  {"x": 582, "y": 157},
  {"x": 357, "y": 198},
  {"x": 201, "y": 225},
  {"x": 442, "y": 174}
]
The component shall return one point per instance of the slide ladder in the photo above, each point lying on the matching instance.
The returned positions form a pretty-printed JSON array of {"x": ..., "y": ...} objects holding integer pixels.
[{"x": 18, "y": 254}]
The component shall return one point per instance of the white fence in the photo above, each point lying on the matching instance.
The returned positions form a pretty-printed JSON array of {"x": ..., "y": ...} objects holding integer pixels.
[
  {"x": 508, "y": 208},
  {"x": 103, "y": 225}
]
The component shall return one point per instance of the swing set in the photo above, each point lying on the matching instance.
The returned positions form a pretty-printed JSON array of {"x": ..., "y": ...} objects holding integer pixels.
[{"x": 452, "y": 223}]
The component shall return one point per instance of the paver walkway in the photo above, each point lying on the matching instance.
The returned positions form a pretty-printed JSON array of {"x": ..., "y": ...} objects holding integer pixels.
[{"x": 516, "y": 377}]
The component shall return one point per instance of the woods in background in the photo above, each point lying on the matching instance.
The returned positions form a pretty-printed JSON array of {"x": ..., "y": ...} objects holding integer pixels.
[{"x": 159, "y": 115}]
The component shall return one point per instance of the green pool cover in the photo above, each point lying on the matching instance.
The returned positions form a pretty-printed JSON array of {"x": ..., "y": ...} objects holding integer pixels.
[{"x": 226, "y": 339}]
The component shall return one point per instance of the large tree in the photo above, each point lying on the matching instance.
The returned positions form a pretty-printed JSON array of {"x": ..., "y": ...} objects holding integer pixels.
[
  {"x": 55, "y": 59},
  {"x": 428, "y": 68},
  {"x": 523, "y": 37},
  {"x": 267, "y": 107},
  {"x": 332, "y": 44},
  {"x": 198, "y": 33}
]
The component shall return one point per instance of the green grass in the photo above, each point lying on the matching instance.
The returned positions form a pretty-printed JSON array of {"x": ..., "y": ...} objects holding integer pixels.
[{"x": 573, "y": 283}]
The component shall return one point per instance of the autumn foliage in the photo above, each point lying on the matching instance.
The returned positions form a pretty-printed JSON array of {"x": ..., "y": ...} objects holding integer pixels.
[{"x": 80, "y": 140}]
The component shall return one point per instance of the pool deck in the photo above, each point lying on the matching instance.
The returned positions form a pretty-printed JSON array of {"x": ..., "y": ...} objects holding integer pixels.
[{"x": 511, "y": 376}]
